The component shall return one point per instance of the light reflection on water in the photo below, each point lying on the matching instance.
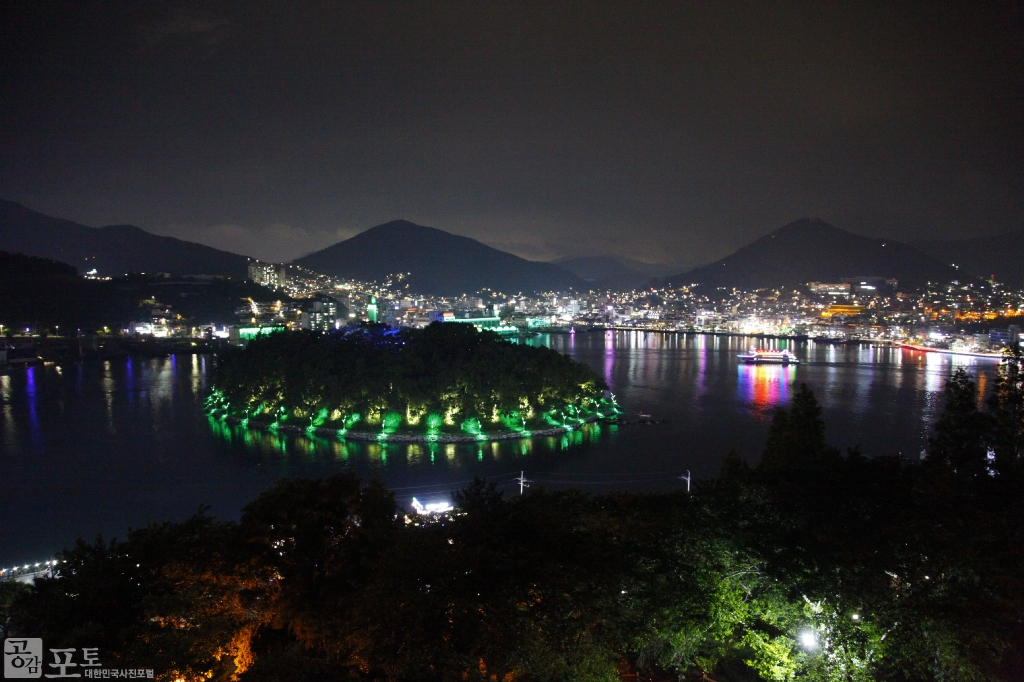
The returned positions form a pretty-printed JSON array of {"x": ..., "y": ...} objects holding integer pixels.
[
  {"x": 320, "y": 449},
  {"x": 104, "y": 446},
  {"x": 765, "y": 386}
]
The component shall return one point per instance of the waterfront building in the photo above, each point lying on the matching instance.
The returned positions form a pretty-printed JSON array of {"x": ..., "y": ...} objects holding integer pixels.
[{"x": 837, "y": 309}]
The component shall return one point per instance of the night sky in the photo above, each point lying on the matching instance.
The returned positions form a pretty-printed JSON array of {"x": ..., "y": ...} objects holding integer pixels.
[{"x": 670, "y": 132}]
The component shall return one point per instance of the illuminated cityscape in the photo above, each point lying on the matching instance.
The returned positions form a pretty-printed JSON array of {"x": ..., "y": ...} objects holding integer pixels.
[
  {"x": 405, "y": 341},
  {"x": 968, "y": 316}
]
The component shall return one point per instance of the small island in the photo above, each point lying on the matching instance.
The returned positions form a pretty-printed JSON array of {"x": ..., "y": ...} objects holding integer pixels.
[{"x": 443, "y": 383}]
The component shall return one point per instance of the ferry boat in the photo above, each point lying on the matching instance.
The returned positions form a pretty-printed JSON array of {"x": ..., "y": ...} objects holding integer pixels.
[{"x": 763, "y": 356}]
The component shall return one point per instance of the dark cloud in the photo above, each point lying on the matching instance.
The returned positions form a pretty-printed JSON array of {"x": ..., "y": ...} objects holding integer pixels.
[
  {"x": 182, "y": 21},
  {"x": 663, "y": 132}
]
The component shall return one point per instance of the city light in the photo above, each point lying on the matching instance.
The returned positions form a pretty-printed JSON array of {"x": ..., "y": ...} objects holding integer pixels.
[{"x": 431, "y": 507}]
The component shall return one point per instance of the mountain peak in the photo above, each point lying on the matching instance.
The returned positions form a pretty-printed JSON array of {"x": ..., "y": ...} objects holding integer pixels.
[
  {"x": 811, "y": 249},
  {"x": 437, "y": 262},
  {"x": 815, "y": 228},
  {"x": 403, "y": 225},
  {"x": 113, "y": 250},
  {"x": 404, "y": 229}
]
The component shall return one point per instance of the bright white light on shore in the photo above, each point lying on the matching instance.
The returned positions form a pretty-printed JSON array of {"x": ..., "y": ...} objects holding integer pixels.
[
  {"x": 855, "y": 617},
  {"x": 431, "y": 507},
  {"x": 808, "y": 640}
]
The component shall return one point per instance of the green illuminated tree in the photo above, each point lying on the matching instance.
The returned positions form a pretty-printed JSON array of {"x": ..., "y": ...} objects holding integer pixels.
[{"x": 449, "y": 369}]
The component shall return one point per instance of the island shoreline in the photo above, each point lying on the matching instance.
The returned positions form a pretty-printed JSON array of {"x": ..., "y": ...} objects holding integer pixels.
[{"x": 380, "y": 437}]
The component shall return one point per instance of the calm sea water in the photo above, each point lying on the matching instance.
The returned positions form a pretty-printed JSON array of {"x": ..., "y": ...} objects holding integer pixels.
[{"x": 104, "y": 446}]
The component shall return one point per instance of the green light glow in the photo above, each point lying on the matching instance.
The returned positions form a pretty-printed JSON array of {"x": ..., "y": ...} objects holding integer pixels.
[
  {"x": 391, "y": 422},
  {"x": 253, "y": 332},
  {"x": 472, "y": 426},
  {"x": 271, "y": 383},
  {"x": 512, "y": 420}
]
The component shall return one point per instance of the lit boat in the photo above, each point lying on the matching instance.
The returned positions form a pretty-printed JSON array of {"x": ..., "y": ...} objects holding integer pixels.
[{"x": 763, "y": 356}]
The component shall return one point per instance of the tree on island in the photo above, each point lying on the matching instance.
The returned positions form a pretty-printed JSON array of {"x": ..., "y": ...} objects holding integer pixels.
[{"x": 446, "y": 377}]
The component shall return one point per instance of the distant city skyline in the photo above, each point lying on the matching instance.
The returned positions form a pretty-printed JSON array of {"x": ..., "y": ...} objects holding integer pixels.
[{"x": 662, "y": 133}]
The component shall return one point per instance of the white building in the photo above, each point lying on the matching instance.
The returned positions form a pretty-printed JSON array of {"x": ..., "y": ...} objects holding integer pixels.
[{"x": 267, "y": 274}]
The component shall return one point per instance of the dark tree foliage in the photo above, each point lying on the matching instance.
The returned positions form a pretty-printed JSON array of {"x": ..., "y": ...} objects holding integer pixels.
[
  {"x": 10, "y": 591},
  {"x": 184, "y": 598},
  {"x": 1006, "y": 405},
  {"x": 961, "y": 436},
  {"x": 813, "y": 565},
  {"x": 49, "y": 294},
  {"x": 446, "y": 372},
  {"x": 797, "y": 435},
  {"x": 925, "y": 557}
]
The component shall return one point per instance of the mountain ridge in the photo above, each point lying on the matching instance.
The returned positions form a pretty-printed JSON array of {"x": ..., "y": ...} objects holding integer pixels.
[
  {"x": 808, "y": 250},
  {"x": 610, "y": 272},
  {"x": 438, "y": 262},
  {"x": 1000, "y": 255},
  {"x": 112, "y": 250}
]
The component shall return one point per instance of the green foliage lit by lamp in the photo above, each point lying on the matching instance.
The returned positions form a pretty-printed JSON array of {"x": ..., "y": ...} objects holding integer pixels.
[
  {"x": 391, "y": 422},
  {"x": 397, "y": 378}
]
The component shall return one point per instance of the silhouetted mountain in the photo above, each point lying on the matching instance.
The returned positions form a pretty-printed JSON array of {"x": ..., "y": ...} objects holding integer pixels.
[
  {"x": 43, "y": 292},
  {"x": 607, "y": 272},
  {"x": 52, "y": 295},
  {"x": 1001, "y": 256},
  {"x": 812, "y": 250},
  {"x": 113, "y": 250},
  {"x": 436, "y": 261}
]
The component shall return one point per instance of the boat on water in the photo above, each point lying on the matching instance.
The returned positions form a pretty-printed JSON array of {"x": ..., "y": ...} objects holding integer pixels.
[{"x": 759, "y": 356}]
